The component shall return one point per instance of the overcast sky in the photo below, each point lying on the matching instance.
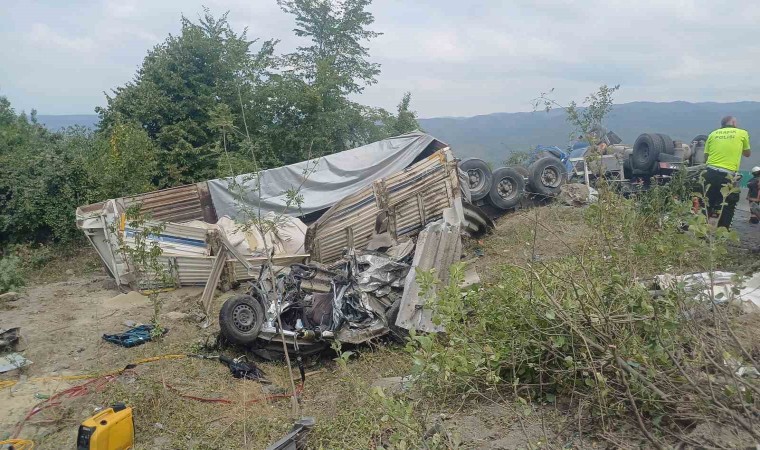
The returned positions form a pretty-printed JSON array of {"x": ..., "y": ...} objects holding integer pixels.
[{"x": 457, "y": 57}]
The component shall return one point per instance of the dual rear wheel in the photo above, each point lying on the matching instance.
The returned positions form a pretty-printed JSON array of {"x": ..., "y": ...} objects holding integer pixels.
[{"x": 505, "y": 187}]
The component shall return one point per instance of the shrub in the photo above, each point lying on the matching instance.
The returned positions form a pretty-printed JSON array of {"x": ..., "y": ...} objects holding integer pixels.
[
  {"x": 10, "y": 274},
  {"x": 586, "y": 327}
]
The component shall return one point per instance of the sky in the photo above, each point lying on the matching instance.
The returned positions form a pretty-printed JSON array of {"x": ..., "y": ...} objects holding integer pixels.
[{"x": 456, "y": 57}]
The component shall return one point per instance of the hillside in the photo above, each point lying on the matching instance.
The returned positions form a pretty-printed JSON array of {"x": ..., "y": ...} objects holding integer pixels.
[{"x": 493, "y": 136}]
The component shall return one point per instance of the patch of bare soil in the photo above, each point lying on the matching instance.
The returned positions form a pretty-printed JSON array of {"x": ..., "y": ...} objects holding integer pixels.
[{"x": 62, "y": 324}]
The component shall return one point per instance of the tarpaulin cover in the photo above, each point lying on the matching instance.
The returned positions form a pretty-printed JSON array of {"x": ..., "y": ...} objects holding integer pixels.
[{"x": 322, "y": 181}]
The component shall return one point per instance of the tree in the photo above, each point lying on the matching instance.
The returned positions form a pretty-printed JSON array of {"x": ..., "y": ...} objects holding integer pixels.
[
  {"x": 180, "y": 83},
  {"x": 311, "y": 94},
  {"x": 336, "y": 60},
  {"x": 405, "y": 120},
  {"x": 123, "y": 161}
]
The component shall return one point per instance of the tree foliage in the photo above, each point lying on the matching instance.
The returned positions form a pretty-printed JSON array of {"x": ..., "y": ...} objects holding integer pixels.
[
  {"x": 208, "y": 102},
  {"x": 180, "y": 83}
]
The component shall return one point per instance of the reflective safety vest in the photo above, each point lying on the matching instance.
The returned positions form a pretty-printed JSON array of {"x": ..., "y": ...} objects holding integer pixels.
[{"x": 724, "y": 148}]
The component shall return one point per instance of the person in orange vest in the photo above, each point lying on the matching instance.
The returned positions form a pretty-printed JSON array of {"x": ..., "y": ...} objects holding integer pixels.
[{"x": 724, "y": 149}]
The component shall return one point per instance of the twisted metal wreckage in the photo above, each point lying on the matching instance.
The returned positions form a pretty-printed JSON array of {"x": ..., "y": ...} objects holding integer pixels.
[{"x": 375, "y": 214}]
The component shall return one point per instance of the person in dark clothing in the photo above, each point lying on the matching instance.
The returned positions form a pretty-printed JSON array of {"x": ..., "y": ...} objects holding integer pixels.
[
  {"x": 753, "y": 195},
  {"x": 724, "y": 149}
]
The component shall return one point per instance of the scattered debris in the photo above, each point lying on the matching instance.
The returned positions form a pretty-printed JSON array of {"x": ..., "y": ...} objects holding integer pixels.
[
  {"x": 133, "y": 337},
  {"x": 577, "y": 194},
  {"x": 12, "y": 361},
  {"x": 439, "y": 246},
  {"x": 9, "y": 338},
  {"x": 721, "y": 287},
  {"x": 296, "y": 439},
  {"x": 239, "y": 367}
]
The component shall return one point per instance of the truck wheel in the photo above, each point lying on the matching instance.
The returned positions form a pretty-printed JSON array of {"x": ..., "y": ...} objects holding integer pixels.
[
  {"x": 547, "y": 175},
  {"x": 240, "y": 319},
  {"x": 699, "y": 140},
  {"x": 646, "y": 149},
  {"x": 507, "y": 189},
  {"x": 667, "y": 142},
  {"x": 698, "y": 150},
  {"x": 479, "y": 176}
]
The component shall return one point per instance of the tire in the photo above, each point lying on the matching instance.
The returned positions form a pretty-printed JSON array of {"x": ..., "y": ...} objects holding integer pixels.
[
  {"x": 667, "y": 142},
  {"x": 698, "y": 150},
  {"x": 522, "y": 170},
  {"x": 547, "y": 175},
  {"x": 646, "y": 150},
  {"x": 240, "y": 319},
  {"x": 627, "y": 169},
  {"x": 479, "y": 175},
  {"x": 507, "y": 189}
]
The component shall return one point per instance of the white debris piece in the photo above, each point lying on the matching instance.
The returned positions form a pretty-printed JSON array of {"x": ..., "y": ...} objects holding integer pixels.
[
  {"x": 13, "y": 361},
  {"x": 719, "y": 286}
]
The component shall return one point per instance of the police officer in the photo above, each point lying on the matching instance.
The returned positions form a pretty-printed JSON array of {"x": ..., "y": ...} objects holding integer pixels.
[{"x": 724, "y": 150}]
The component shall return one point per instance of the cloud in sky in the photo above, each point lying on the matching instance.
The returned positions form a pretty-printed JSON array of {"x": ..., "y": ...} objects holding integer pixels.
[{"x": 457, "y": 58}]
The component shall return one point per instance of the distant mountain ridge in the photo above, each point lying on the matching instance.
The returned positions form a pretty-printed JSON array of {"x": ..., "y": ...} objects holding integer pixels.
[{"x": 493, "y": 136}]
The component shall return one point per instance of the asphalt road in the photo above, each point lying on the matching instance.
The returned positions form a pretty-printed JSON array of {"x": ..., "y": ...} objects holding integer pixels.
[{"x": 749, "y": 234}]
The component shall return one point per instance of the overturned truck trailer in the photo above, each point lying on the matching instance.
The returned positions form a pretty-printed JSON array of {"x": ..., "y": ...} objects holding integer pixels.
[{"x": 386, "y": 190}]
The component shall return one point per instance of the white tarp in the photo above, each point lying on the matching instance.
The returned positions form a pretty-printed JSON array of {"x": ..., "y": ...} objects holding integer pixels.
[{"x": 321, "y": 182}]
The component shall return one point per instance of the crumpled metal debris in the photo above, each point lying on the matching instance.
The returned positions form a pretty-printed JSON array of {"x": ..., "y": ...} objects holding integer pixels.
[
  {"x": 9, "y": 338},
  {"x": 383, "y": 273},
  {"x": 296, "y": 439}
]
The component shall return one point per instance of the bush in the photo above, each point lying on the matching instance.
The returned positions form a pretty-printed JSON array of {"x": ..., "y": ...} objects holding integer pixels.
[
  {"x": 10, "y": 274},
  {"x": 586, "y": 327}
]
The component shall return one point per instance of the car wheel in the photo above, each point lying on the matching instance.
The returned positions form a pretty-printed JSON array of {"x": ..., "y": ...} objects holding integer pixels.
[{"x": 240, "y": 319}]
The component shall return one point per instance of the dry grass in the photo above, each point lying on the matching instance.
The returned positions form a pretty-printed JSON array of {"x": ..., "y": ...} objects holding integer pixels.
[
  {"x": 561, "y": 232},
  {"x": 339, "y": 399}
]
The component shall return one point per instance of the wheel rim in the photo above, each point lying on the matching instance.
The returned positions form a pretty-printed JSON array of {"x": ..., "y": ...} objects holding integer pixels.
[
  {"x": 243, "y": 317},
  {"x": 550, "y": 177},
  {"x": 476, "y": 179},
  {"x": 645, "y": 152},
  {"x": 506, "y": 188}
]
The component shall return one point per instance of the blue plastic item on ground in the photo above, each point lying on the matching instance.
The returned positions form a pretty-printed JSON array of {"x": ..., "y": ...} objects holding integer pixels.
[{"x": 132, "y": 337}]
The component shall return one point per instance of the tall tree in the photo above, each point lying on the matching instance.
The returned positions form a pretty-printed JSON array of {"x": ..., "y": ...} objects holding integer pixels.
[
  {"x": 405, "y": 120},
  {"x": 180, "y": 83},
  {"x": 336, "y": 58},
  {"x": 334, "y": 66}
]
